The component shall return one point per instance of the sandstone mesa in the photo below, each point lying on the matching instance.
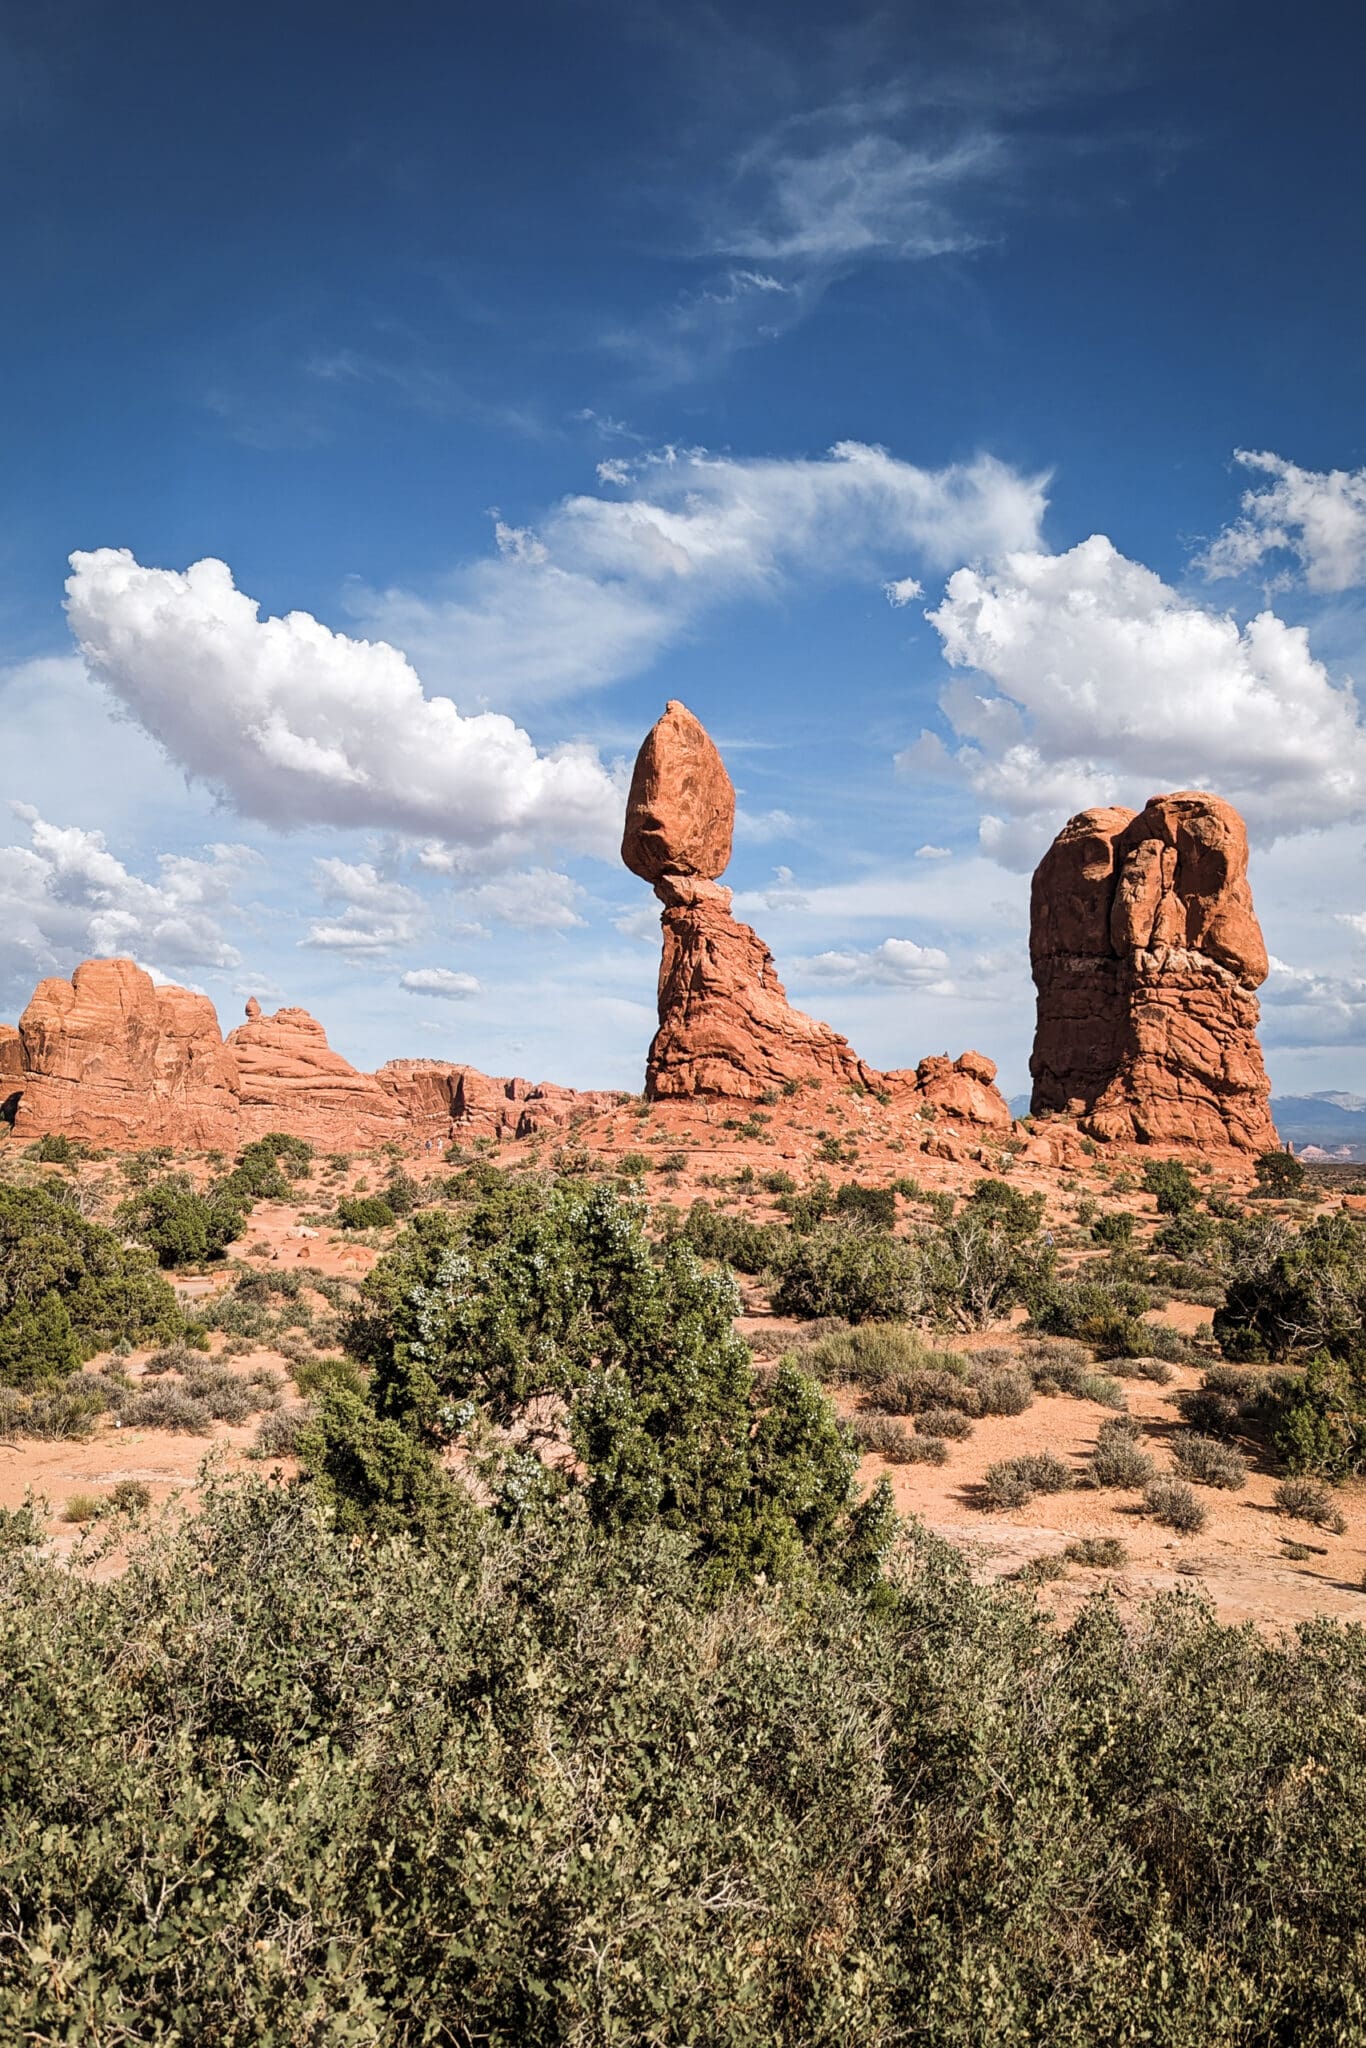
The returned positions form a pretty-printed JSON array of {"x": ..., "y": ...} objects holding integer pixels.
[{"x": 111, "y": 1058}]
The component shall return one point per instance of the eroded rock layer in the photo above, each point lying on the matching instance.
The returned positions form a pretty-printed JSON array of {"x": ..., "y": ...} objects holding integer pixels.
[
  {"x": 1146, "y": 954},
  {"x": 111, "y": 1058},
  {"x": 726, "y": 1027}
]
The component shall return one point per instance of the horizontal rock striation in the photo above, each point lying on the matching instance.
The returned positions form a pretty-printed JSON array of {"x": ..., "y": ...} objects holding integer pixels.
[{"x": 1147, "y": 954}]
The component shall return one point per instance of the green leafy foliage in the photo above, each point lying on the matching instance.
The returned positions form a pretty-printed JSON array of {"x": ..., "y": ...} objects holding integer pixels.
[
  {"x": 69, "y": 1288},
  {"x": 523, "y": 1787},
  {"x": 1279, "y": 1174},
  {"x": 364, "y": 1212},
  {"x": 862, "y": 1275},
  {"x": 552, "y": 1293},
  {"x": 1171, "y": 1184},
  {"x": 1302, "y": 1297},
  {"x": 179, "y": 1224},
  {"x": 747, "y": 1246}
]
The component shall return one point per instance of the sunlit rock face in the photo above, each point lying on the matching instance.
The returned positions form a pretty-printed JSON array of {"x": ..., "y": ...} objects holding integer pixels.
[
  {"x": 726, "y": 1027},
  {"x": 1147, "y": 955}
]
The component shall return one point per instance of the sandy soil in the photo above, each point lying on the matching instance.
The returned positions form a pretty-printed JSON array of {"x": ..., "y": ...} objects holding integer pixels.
[{"x": 1238, "y": 1559}]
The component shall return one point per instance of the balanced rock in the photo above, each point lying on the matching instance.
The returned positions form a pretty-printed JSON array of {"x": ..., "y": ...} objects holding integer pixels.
[
  {"x": 725, "y": 1024},
  {"x": 680, "y": 812},
  {"x": 111, "y": 1058},
  {"x": 726, "y": 1027},
  {"x": 1146, "y": 954}
]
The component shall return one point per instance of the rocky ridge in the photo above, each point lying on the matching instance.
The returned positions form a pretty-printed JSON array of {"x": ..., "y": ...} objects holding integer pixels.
[{"x": 114, "y": 1059}]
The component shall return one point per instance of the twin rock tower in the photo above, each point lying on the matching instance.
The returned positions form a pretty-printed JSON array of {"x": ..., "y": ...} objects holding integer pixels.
[{"x": 1145, "y": 948}]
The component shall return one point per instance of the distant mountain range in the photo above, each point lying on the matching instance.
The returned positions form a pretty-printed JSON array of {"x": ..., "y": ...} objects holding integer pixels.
[{"x": 1330, "y": 1125}]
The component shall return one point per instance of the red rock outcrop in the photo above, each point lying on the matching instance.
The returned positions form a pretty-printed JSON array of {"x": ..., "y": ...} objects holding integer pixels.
[
  {"x": 1146, "y": 955},
  {"x": 291, "y": 1080},
  {"x": 111, "y": 1058},
  {"x": 109, "y": 1053},
  {"x": 726, "y": 1027}
]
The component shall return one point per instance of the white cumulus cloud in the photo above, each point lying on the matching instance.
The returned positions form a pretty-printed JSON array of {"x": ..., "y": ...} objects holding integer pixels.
[
  {"x": 440, "y": 981},
  {"x": 293, "y": 722},
  {"x": 373, "y": 913},
  {"x": 1091, "y": 680},
  {"x": 1316, "y": 518},
  {"x": 899, "y": 963},
  {"x": 65, "y": 897}
]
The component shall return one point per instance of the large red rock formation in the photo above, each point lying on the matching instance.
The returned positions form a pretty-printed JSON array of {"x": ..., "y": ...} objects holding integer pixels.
[
  {"x": 111, "y": 1058},
  {"x": 108, "y": 1054},
  {"x": 1146, "y": 954},
  {"x": 726, "y": 1027}
]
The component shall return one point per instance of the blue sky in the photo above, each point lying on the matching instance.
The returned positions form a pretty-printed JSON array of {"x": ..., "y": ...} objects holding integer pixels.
[{"x": 962, "y": 416}]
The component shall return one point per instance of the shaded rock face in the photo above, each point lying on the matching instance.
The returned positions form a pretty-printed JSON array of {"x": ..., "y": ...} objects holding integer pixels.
[
  {"x": 111, "y": 1058},
  {"x": 1146, "y": 954},
  {"x": 726, "y": 1027}
]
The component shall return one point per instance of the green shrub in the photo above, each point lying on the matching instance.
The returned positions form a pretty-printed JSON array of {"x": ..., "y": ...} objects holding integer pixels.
[
  {"x": 1013, "y": 1482},
  {"x": 1211, "y": 1463},
  {"x": 69, "y": 1288},
  {"x": 873, "y": 1206},
  {"x": 555, "y": 1292},
  {"x": 810, "y": 1206},
  {"x": 164, "y": 1405},
  {"x": 64, "y": 1410},
  {"x": 130, "y": 1497},
  {"x": 401, "y": 1192},
  {"x": 944, "y": 1422},
  {"x": 1100, "y": 1553},
  {"x": 1170, "y": 1182},
  {"x": 56, "y": 1149},
  {"x": 1001, "y": 1391},
  {"x": 181, "y": 1226},
  {"x": 862, "y": 1275},
  {"x": 1115, "y": 1227},
  {"x": 747, "y": 1246},
  {"x": 1291, "y": 1295},
  {"x": 1019, "y": 1216},
  {"x": 1279, "y": 1174},
  {"x": 1172, "y": 1502},
  {"x": 364, "y": 1212},
  {"x": 315, "y": 1375},
  {"x": 887, "y": 1437},
  {"x": 806, "y": 1825}
]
